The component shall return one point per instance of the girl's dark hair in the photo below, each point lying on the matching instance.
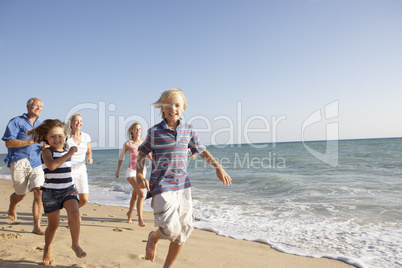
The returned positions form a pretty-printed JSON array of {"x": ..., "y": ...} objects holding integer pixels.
[{"x": 39, "y": 133}]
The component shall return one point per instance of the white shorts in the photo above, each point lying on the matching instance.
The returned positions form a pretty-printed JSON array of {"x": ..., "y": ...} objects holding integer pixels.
[
  {"x": 24, "y": 177},
  {"x": 133, "y": 173},
  {"x": 80, "y": 178},
  {"x": 173, "y": 213}
]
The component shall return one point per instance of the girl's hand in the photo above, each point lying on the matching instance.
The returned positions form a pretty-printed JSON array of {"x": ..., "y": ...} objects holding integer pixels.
[{"x": 90, "y": 161}]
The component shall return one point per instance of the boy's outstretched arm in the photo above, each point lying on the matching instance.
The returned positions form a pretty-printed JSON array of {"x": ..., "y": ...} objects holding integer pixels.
[
  {"x": 141, "y": 181},
  {"x": 220, "y": 172}
]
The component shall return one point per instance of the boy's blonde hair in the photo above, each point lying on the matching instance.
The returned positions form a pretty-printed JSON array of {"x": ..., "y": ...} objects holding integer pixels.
[
  {"x": 167, "y": 95},
  {"x": 130, "y": 135},
  {"x": 39, "y": 133}
]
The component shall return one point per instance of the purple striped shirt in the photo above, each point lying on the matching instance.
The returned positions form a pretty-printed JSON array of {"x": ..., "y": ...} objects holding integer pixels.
[{"x": 169, "y": 155}]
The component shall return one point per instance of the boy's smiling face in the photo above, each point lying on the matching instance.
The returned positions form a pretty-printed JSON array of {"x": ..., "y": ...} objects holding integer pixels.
[{"x": 173, "y": 108}]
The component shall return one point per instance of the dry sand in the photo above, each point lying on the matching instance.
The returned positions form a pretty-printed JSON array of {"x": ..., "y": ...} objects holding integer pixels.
[{"x": 111, "y": 242}]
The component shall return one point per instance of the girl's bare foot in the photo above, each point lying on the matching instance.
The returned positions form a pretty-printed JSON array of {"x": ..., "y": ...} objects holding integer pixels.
[
  {"x": 79, "y": 252},
  {"x": 141, "y": 223},
  {"x": 47, "y": 256},
  {"x": 129, "y": 218},
  {"x": 150, "y": 250}
]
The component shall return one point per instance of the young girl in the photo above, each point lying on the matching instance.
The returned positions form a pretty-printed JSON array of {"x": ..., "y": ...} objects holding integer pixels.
[
  {"x": 169, "y": 184},
  {"x": 138, "y": 195},
  {"x": 58, "y": 190},
  {"x": 79, "y": 170}
]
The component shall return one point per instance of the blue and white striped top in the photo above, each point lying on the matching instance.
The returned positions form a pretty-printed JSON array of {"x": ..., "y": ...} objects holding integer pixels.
[
  {"x": 60, "y": 178},
  {"x": 169, "y": 156}
]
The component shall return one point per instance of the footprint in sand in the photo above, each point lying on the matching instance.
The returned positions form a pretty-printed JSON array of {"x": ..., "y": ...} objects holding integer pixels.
[
  {"x": 10, "y": 236},
  {"x": 118, "y": 230}
]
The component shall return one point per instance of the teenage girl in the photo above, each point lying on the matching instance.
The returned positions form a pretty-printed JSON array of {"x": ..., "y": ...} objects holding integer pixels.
[
  {"x": 138, "y": 195},
  {"x": 58, "y": 190}
]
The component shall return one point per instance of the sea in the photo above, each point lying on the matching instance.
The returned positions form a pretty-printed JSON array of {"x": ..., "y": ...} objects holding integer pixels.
[{"x": 336, "y": 199}]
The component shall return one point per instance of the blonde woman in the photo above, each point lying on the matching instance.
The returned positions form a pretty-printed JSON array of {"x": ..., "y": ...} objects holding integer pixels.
[
  {"x": 82, "y": 141},
  {"x": 138, "y": 195}
]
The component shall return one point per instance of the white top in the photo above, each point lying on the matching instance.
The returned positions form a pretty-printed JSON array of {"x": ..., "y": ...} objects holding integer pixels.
[{"x": 79, "y": 156}]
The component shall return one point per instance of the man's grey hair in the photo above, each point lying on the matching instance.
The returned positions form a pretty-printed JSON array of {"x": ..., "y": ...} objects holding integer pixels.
[{"x": 31, "y": 100}]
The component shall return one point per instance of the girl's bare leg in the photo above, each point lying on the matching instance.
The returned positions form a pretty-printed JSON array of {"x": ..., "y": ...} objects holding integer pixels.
[
  {"x": 134, "y": 197},
  {"x": 73, "y": 214},
  {"x": 140, "y": 205},
  {"x": 53, "y": 219}
]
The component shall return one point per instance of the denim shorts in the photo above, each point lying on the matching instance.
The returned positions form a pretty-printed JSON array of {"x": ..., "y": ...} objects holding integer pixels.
[{"x": 53, "y": 200}]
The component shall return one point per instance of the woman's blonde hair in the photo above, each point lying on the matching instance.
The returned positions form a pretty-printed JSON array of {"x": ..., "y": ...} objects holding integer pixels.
[
  {"x": 130, "y": 135},
  {"x": 167, "y": 95},
  {"x": 70, "y": 123},
  {"x": 39, "y": 133}
]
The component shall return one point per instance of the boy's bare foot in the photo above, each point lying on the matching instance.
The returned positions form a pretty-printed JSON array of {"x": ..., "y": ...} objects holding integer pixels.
[
  {"x": 79, "y": 252},
  {"x": 47, "y": 256},
  {"x": 38, "y": 231},
  {"x": 150, "y": 250},
  {"x": 12, "y": 214}
]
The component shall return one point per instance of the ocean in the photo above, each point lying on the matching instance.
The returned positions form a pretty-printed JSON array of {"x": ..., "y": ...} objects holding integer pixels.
[{"x": 290, "y": 196}]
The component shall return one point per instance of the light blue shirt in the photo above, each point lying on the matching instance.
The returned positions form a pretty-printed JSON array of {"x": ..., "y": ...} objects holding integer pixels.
[{"x": 16, "y": 130}]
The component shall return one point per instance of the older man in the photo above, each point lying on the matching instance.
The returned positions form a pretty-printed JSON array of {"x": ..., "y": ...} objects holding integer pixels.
[{"x": 24, "y": 161}]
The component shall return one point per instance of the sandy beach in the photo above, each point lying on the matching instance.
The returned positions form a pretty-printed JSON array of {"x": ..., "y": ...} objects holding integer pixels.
[{"x": 111, "y": 242}]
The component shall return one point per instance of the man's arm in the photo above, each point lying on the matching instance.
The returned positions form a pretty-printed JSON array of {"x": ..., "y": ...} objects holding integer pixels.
[{"x": 18, "y": 143}]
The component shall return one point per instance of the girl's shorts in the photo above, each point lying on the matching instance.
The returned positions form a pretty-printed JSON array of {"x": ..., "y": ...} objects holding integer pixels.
[
  {"x": 173, "y": 213},
  {"x": 53, "y": 200},
  {"x": 133, "y": 173}
]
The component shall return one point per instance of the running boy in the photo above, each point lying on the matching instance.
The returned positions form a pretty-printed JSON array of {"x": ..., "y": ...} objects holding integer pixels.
[
  {"x": 169, "y": 184},
  {"x": 58, "y": 190}
]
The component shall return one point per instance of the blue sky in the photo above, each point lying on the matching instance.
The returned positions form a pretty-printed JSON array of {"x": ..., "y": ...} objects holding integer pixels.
[{"x": 252, "y": 71}]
